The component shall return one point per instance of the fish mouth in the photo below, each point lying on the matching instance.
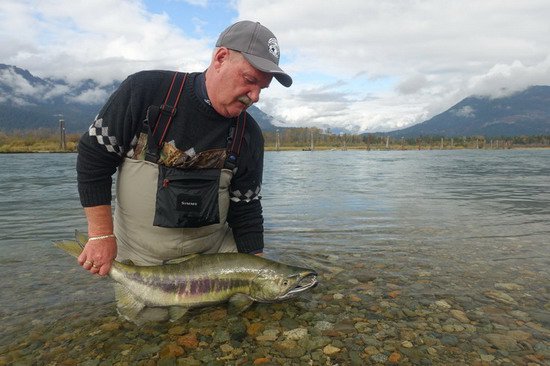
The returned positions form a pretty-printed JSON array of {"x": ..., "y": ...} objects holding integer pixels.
[{"x": 307, "y": 281}]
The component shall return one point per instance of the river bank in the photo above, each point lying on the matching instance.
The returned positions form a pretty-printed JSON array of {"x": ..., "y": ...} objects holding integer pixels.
[{"x": 73, "y": 149}]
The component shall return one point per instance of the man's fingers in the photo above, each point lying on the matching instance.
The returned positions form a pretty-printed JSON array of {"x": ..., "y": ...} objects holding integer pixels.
[{"x": 104, "y": 270}]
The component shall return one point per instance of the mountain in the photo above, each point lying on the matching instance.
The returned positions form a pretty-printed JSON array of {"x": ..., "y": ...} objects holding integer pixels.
[
  {"x": 28, "y": 102},
  {"x": 523, "y": 113}
]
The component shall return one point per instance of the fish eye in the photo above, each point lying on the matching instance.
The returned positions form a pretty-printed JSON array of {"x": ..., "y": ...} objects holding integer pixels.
[{"x": 285, "y": 283}]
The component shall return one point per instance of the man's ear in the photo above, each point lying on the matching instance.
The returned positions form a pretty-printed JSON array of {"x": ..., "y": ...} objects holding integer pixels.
[{"x": 221, "y": 55}]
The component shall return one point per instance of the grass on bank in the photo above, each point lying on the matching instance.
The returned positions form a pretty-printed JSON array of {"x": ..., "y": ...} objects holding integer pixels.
[{"x": 43, "y": 140}]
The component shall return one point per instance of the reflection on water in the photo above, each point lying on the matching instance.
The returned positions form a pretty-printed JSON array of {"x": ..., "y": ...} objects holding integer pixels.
[{"x": 469, "y": 228}]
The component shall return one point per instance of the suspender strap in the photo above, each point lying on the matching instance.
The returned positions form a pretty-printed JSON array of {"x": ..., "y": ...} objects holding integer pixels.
[
  {"x": 157, "y": 130},
  {"x": 235, "y": 141}
]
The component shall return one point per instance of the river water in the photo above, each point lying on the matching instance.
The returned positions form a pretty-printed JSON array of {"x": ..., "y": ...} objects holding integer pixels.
[{"x": 446, "y": 250}]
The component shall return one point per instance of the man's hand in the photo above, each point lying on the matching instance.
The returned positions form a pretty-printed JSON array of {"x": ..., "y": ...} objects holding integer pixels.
[
  {"x": 101, "y": 248},
  {"x": 98, "y": 255}
]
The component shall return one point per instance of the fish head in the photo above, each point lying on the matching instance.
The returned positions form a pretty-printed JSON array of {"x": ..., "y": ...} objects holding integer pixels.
[{"x": 282, "y": 282}]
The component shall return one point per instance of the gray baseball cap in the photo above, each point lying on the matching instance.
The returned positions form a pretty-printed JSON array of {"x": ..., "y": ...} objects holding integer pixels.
[{"x": 258, "y": 45}]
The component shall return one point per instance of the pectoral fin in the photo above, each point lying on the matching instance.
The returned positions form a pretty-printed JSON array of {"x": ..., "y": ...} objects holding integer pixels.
[
  {"x": 176, "y": 312},
  {"x": 127, "y": 305},
  {"x": 239, "y": 303}
]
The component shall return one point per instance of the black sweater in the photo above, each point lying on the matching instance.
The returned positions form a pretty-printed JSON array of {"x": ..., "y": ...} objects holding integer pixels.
[{"x": 114, "y": 134}]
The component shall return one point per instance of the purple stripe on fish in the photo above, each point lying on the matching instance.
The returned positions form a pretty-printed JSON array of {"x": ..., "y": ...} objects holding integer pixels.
[{"x": 191, "y": 287}]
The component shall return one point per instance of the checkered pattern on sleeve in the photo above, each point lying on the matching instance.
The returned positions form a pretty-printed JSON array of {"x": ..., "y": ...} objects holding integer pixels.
[
  {"x": 250, "y": 195},
  {"x": 100, "y": 131}
]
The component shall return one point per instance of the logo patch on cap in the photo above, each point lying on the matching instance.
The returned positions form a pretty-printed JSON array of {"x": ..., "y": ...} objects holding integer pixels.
[{"x": 273, "y": 46}]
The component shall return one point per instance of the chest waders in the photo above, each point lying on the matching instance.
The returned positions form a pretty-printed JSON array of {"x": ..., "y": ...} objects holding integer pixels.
[
  {"x": 136, "y": 222},
  {"x": 138, "y": 188}
]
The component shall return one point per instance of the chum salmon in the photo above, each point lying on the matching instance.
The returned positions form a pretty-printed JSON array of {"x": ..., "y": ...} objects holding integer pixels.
[{"x": 201, "y": 280}]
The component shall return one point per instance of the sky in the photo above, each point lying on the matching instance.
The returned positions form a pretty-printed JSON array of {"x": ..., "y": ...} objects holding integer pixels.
[{"x": 361, "y": 65}]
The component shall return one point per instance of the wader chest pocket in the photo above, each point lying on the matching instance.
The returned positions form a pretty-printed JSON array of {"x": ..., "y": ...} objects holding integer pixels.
[{"x": 187, "y": 198}]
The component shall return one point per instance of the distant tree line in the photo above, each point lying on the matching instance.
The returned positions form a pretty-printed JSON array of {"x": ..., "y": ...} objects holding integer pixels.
[
  {"x": 319, "y": 138},
  {"x": 43, "y": 139}
]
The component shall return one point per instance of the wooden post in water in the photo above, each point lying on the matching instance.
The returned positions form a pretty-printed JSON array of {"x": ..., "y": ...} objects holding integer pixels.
[
  {"x": 441, "y": 146},
  {"x": 277, "y": 141},
  {"x": 62, "y": 137}
]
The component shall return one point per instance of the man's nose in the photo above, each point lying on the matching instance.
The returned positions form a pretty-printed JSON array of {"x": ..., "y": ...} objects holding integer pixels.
[{"x": 254, "y": 95}]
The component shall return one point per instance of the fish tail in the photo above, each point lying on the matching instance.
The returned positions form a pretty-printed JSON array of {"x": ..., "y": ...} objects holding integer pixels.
[{"x": 72, "y": 247}]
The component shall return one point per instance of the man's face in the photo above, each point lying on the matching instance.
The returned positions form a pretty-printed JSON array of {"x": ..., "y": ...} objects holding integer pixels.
[{"x": 235, "y": 84}]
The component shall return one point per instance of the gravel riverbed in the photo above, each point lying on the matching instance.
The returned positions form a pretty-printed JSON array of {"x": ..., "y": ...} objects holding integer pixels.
[{"x": 361, "y": 313}]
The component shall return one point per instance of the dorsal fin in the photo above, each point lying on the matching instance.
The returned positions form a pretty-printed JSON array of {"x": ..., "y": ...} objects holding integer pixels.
[{"x": 81, "y": 238}]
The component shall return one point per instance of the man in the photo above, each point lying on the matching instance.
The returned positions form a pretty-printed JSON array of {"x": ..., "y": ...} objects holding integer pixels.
[{"x": 184, "y": 189}]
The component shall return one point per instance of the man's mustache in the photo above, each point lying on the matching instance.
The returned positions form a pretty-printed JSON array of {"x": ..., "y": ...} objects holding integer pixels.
[{"x": 245, "y": 100}]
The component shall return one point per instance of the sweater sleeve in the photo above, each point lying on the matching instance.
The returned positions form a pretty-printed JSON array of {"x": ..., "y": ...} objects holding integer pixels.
[
  {"x": 102, "y": 147},
  {"x": 245, "y": 210}
]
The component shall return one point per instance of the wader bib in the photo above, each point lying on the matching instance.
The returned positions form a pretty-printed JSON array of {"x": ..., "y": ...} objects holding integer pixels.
[{"x": 158, "y": 219}]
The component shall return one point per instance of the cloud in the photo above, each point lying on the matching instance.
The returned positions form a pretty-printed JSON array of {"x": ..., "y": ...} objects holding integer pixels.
[
  {"x": 90, "y": 96},
  {"x": 412, "y": 84},
  {"x": 505, "y": 79},
  {"x": 437, "y": 52},
  {"x": 374, "y": 65},
  {"x": 20, "y": 87},
  {"x": 104, "y": 39},
  {"x": 465, "y": 112}
]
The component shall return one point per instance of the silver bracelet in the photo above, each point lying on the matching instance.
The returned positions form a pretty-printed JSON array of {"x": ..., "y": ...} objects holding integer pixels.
[{"x": 101, "y": 237}]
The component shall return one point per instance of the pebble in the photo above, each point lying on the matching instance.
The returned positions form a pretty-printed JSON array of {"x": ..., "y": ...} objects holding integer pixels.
[
  {"x": 443, "y": 304},
  {"x": 290, "y": 348},
  {"x": 394, "y": 358},
  {"x": 188, "y": 341},
  {"x": 330, "y": 350},
  {"x": 171, "y": 350},
  {"x": 379, "y": 358},
  {"x": 487, "y": 358},
  {"x": 323, "y": 325},
  {"x": 459, "y": 315},
  {"x": 508, "y": 286},
  {"x": 109, "y": 327},
  {"x": 268, "y": 335},
  {"x": 296, "y": 334},
  {"x": 431, "y": 351},
  {"x": 449, "y": 340},
  {"x": 502, "y": 341},
  {"x": 500, "y": 296}
]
